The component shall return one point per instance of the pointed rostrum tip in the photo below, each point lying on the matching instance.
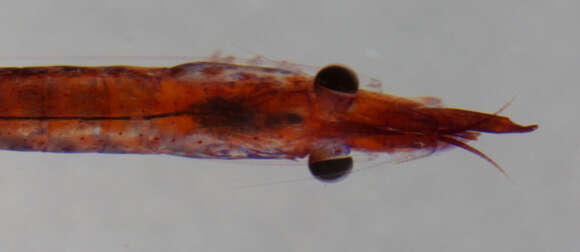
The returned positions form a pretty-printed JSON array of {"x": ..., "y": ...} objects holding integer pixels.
[
  {"x": 528, "y": 128},
  {"x": 511, "y": 127}
]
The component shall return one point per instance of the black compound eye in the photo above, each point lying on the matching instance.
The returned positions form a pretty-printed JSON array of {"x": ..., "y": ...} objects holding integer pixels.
[
  {"x": 337, "y": 78},
  {"x": 331, "y": 170}
]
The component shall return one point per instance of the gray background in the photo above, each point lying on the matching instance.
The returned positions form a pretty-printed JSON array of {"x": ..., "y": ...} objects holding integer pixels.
[{"x": 473, "y": 54}]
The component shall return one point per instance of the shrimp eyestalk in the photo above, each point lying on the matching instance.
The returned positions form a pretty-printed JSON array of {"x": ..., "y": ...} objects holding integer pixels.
[{"x": 226, "y": 111}]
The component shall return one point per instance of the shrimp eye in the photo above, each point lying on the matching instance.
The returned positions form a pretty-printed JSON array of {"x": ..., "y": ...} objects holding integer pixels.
[
  {"x": 337, "y": 78},
  {"x": 331, "y": 170}
]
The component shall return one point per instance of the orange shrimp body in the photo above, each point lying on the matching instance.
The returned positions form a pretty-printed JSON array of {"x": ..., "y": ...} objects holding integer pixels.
[{"x": 218, "y": 110}]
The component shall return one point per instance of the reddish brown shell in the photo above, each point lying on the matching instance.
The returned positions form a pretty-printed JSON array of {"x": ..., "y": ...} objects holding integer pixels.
[{"x": 217, "y": 110}]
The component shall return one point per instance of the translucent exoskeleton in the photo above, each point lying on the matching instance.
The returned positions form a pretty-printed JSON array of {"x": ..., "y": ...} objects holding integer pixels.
[{"x": 223, "y": 110}]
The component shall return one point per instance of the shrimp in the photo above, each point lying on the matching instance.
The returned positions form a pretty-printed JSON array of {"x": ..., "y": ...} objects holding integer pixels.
[{"x": 223, "y": 110}]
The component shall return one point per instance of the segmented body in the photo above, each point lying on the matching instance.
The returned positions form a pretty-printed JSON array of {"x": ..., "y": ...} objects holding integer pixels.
[
  {"x": 218, "y": 110},
  {"x": 199, "y": 110}
]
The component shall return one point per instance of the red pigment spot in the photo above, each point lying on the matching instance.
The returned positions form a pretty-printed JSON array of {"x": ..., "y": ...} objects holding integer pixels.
[
  {"x": 155, "y": 140},
  {"x": 268, "y": 80},
  {"x": 255, "y": 138},
  {"x": 199, "y": 142},
  {"x": 212, "y": 70},
  {"x": 140, "y": 135},
  {"x": 120, "y": 133},
  {"x": 173, "y": 140},
  {"x": 246, "y": 76}
]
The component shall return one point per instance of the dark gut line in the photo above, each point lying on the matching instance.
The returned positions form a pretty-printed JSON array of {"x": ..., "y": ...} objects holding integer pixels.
[{"x": 95, "y": 118}]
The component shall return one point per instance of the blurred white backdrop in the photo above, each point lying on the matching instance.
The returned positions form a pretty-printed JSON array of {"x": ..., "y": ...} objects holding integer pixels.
[{"x": 473, "y": 54}]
